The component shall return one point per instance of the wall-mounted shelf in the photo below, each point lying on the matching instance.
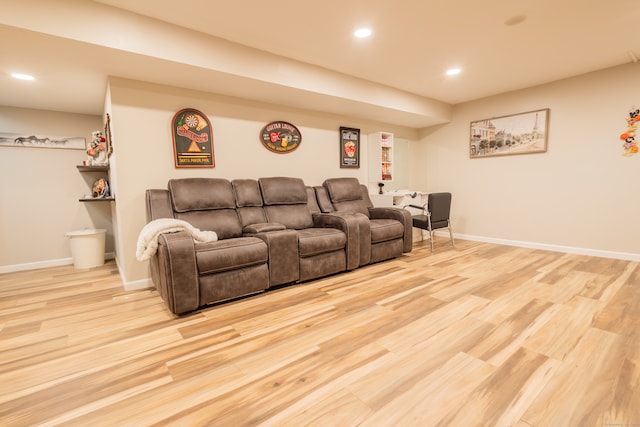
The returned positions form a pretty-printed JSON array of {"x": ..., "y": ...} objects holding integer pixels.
[
  {"x": 96, "y": 199},
  {"x": 380, "y": 157},
  {"x": 103, "y": 169},
  {"x": 84, "y": 168}
]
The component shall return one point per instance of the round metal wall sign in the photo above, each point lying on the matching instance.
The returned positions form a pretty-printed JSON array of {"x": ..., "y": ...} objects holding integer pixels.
[{"x": 280, "y": 137}]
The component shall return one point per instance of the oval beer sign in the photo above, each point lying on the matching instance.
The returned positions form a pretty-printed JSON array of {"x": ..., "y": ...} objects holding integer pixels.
[{"x": 280, "y": 137}]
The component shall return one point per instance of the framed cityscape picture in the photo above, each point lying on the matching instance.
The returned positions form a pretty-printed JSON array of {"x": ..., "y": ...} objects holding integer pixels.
[
  {"x": 523, "y": 133},
  {"x": 349, "y": 147}
]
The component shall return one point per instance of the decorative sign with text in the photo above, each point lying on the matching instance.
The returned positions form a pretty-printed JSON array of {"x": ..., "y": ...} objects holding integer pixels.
[
  {"x": 192, "y": 140},
  {"x": 280, "y": 137},
  {"x": 349, "y": 147}
]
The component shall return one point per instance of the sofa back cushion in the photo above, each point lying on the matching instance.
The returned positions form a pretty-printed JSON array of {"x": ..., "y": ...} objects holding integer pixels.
[
  {"x": 248, "y": 201},
  {"x": 312, "y": 202},
  {"x": 207, "y": 204},
  {"x": 158, "y": 204},
  {"x": 346, "y": 195},
  {"x": 365, "y": 196},
  {"x": 324, "y": 203},
  {"x": 285, "y": 202}
]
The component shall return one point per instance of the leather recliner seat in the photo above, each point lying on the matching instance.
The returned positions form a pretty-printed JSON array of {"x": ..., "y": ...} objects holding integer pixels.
[{"x": 271, "y": 232}]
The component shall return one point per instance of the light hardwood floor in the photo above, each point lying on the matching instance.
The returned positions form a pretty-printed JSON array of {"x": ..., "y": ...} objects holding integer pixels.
[{"x": 480, "y": 335}]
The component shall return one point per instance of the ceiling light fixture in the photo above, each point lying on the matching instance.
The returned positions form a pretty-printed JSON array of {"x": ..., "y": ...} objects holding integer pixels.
[
  {"x": 515, "y": 20},
  {"x": 22, "y": 76},
  {"x": 362, "y": 33},
  {"x": 453, "y": 71}
]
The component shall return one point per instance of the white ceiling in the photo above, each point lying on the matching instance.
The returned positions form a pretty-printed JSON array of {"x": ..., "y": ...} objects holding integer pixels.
[{"x": 413, "y": 43}]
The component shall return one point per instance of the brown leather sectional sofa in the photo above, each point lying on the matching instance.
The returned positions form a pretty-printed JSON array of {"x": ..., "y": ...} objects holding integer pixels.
[{"x": 271, "y": 232}]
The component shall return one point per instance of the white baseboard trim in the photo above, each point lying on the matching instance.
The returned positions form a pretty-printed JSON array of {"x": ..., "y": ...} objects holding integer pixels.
[
  {"x": 44, "y": 264},
  {"x": 135, "y": 285},
  {"x": 138, "y": 284},
  {"x": 35, "y": 265},
  {"x": 554, "y": 248}
]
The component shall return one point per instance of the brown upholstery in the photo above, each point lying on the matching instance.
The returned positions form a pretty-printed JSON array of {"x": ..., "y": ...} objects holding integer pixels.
[
  {"x": 199, "y": 194},
  {"x": 189, "y": 275},
  {"x": 322, "y": 249},
  {"x": 229, "y": 254},
  {"x": 207, "y": 204},
  {"x": 271, "y": 231},
  {"x": 248, "y": 201},
  {"x": 346, "y": 195},
  {"x": 324, "y": 203},
  {"x": 285, "y": 202},
  {"x": 312, "y": 202},
  {"x": 158, "y": 204},
  {"x": 389, "y": 228}
]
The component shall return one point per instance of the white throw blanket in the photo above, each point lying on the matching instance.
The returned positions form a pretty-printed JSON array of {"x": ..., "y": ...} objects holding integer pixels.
[{"x": 148, "y": 238}]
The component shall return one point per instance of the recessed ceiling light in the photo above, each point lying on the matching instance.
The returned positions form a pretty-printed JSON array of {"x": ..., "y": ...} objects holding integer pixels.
[
  {"x": 22, "y": 76},
  {"x": 453, "y": 71},
  {"x": 362, "y": 33},
  {"x": 515, "y": 20}
]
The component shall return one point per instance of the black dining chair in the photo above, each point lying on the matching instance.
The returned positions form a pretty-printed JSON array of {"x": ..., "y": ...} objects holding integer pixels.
[{"x": 435, "y": 215}]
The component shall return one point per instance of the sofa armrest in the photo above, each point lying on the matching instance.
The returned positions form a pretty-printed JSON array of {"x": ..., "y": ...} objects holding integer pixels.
[
  {"x": 283, "y": 256},
  {"x": 349, "y": 224},
  {"x": 399, "y": 214},
  {"x": 177, "y": 272}
]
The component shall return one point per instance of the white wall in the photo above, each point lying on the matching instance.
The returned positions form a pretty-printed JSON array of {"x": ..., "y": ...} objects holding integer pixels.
[
  {"x": 581, "y": 195},
  {"x": 39, "y": 191},
  {"x": 143, "y": 152}
]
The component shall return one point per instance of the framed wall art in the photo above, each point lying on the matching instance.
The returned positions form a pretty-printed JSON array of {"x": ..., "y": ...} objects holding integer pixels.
[
  {"x": 42, "y": 141},
  {"x": 280, "y": 137},
  {"x": 192, "y": 140},
  {"x": 349, "y": 147},
  {"x": 522, "y": 133}
]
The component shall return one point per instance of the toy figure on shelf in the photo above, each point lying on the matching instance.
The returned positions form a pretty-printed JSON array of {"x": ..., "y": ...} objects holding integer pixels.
[
  {"x": 100, "y": 189},
  {"x": 97, "y": 150},
  {"x": 630, "y": 144}
]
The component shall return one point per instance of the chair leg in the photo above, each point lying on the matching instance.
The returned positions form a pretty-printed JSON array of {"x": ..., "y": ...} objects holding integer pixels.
[
  {"x": 431, "y": 239},
  {"x": 453, "y": 243}
]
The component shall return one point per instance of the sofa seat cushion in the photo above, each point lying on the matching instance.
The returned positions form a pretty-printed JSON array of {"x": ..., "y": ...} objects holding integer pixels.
[
  {"x": 230, "y": 254},
  {"x": 383, "y": 230},
  {"x": 315, "y": 241}
]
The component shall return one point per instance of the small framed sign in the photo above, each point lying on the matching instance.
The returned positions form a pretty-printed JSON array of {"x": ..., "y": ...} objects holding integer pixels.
[
  {"x": 280, "y": 137},
  {"x": 349, "y": 147},
  {"x": 192, "y": 140}
]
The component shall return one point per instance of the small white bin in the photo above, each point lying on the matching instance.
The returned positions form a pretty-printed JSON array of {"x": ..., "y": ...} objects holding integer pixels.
[{"x": 87, "y": 247}]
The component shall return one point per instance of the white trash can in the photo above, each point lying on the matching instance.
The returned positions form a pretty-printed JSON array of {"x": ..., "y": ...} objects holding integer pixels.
[{"x": 87, "y": 247}]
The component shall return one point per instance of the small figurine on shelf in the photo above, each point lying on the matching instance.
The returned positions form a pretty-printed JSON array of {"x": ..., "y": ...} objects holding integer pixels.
[
  {"x": 97, "y": 150},
  {"x": 100, "y": 189},
  {"x": 380, "y": 185}
]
